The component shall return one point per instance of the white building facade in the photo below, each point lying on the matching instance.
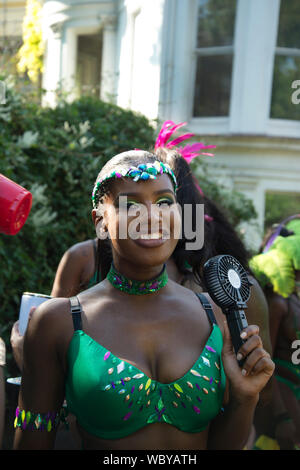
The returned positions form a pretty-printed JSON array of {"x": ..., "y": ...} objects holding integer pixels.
[{"x": 229, "y": 68}]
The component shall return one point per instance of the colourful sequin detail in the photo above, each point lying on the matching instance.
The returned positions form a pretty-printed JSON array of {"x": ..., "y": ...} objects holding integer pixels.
[
  {"x": 128, "y": 400},
  {"x": 123, "y": 284},
  {"x": 142, "y": 172},
  {"x": 149, "y": 386},
  {"x": 38, "y": 421}
]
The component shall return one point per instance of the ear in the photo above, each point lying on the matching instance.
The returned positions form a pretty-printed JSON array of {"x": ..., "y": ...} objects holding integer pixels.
[
  {"x": 99, "y": 222},
  {"x": 96, "y": 216}
]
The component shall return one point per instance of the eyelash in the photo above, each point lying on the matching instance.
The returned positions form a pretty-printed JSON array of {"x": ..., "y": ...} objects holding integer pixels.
[
  {"x": 169, "y": 202},
  {"x": 129, "y": 204}
]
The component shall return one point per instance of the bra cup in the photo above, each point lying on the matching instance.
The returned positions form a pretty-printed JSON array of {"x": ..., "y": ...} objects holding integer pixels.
[{"x": 113, "y": 399}]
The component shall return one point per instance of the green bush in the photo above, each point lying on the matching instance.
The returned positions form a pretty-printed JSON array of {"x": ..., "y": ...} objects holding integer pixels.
[{"x": 56, "y": 154}]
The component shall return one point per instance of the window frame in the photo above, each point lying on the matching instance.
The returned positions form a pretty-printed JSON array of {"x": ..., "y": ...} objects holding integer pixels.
[
  {"x": 281, "y": 126},
  {"x": 209, "y": 52},
  {"x": 255, "y": 37},
  {"x": 208, "y": 124}
]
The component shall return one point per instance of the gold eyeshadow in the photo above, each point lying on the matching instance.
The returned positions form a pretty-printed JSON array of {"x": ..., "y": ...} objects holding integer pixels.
[
  {"x": 168, "y": 200},
  {"x": 130, "y": 202}
]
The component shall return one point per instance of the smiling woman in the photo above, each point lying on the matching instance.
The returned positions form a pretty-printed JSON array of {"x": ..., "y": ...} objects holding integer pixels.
[{"x": 141, "y": 363}]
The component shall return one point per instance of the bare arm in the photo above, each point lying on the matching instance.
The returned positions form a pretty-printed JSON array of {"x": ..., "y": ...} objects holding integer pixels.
[
  {"x": 258, "y": 314},
  {"x": 278, "y": 309},
  {"x": 43, "y": 375},
  {"x": 74, "y": 270},
  {"x": 230, "y": 430},
  {"x": 68, "y": 275}
]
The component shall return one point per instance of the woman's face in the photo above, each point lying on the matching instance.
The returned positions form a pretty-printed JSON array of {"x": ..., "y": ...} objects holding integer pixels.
[{"x": 143, "y": 220}]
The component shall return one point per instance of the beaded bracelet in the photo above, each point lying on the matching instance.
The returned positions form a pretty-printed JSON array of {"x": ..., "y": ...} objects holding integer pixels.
[{"x": 38, "y": 421}]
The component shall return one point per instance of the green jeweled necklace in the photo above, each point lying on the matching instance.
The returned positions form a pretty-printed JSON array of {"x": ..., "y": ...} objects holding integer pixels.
[{"x": 129, "y": 286}]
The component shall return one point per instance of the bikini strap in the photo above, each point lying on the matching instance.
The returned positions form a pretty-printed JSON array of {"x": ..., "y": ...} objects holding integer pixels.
[
  {"x": 76, "y": 311},
  {"x": 207, "y": 307}
]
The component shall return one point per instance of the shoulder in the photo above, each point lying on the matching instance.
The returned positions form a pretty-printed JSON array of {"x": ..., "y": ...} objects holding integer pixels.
[
  {"x": 257, "y": 301},
  {"x": 256, "y": 288},
  {"x": 98, "y": 299},
  {"x": 191, "y": 294},
  {"x": 81, "y": 249},
  {"x": 77, "y": 257},
  {"x": 278, "y": 305},
  {"x": 50, "y": 323}
]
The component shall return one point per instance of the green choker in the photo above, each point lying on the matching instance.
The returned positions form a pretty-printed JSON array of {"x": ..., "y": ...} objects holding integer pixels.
[{"x": 121, "y": 282}]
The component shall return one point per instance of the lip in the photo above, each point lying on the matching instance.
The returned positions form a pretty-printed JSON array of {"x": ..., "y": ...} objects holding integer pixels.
[
  {"x": 157, "y": 239},
  {"x": 151, "y": 243}
]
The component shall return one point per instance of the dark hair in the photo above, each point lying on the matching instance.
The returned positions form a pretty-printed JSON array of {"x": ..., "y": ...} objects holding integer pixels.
[
  {"x": 223, "y": 236},
  {"x": 187, "y": 193},
  {"x": 220, "y": 237}
]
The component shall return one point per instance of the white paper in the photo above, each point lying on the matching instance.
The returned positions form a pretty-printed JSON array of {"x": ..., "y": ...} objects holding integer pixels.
[{"x": 29, "y": 300}]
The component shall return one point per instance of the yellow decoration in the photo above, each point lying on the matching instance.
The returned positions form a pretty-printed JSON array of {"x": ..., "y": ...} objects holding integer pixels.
[
  {"x": 49, "y": 426},
  {"x": 30, "y": 55},
  {"x": 178, "y": 388},
  {"x": 148, "y": 384},
  {"x": 266, "y": 443}
]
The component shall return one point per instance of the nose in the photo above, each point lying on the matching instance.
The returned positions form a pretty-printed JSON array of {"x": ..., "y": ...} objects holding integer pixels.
[{"x": 151, "y": 218}]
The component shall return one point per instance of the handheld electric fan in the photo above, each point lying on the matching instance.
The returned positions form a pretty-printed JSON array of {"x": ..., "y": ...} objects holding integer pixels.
[{"x": 228, "y": 285}]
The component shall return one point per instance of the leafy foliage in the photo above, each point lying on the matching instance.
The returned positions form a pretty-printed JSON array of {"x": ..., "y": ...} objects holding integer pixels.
[{"x": 279, "y": 206}]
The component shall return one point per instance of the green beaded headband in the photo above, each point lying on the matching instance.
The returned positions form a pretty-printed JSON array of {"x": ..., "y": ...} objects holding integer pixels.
[{"x": 142, "y": 172}]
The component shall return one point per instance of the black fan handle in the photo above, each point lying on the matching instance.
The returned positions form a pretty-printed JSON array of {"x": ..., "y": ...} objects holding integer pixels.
[
  {"x": 237, "y": 322},
  {"x": 233, "y": 309}
]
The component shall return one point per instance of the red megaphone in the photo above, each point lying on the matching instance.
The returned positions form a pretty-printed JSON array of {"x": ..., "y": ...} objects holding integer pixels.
[{"x": 15, "y": 205}]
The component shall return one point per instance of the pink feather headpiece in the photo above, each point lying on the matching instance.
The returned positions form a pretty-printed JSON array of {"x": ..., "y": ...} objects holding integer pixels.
[{"x": 188, "y": 152}]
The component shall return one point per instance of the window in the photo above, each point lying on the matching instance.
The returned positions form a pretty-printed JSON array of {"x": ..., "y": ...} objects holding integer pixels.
[
  {"x": 214, "y": 51},
  {"x": 279, "y": 206},
  {"x": 89, "y": 52},
  {"x": 287, "y": 62}
]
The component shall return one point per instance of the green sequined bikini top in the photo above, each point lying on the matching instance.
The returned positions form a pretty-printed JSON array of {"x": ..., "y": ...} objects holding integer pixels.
[{"x": 112, "y": 398}]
